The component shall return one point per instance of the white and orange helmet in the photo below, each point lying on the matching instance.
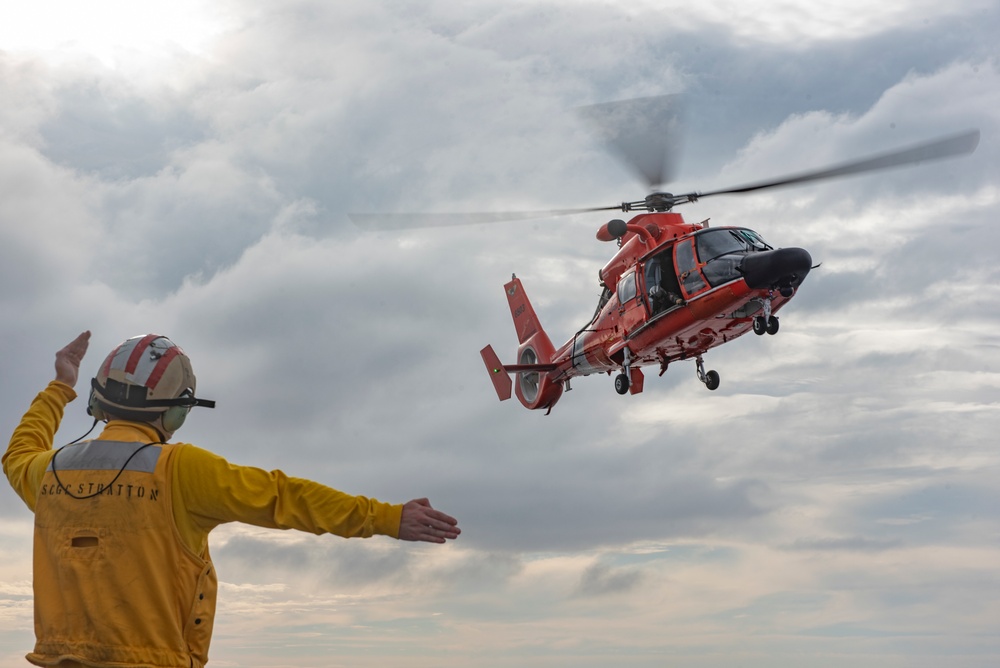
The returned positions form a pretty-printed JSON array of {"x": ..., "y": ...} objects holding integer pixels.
[{"x": 144, "y": 379}]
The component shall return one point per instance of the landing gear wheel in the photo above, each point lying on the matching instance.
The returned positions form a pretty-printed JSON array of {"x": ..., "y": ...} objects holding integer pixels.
[
  {"x": 760, "y": 325},
  {"x": 772, "y": 325},
  {"x": 712, "y": 380},
  {"x": 621, "y": 383}
]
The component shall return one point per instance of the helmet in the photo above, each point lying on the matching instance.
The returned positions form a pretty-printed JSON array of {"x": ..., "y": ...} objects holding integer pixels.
[{"x": 145, "y": 379}]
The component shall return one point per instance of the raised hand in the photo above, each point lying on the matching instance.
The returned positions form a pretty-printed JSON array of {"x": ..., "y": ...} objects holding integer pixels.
[{"x": 68, "y": 359}]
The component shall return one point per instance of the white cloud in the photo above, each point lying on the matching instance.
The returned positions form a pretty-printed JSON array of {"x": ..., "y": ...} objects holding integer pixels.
[{"x": 113, "y": 31}]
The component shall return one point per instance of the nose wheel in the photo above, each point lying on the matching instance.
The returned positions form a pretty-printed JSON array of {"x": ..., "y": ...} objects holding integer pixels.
[
  {"x": 766, "y": 323},
  {"x": 710, "y": 378}
]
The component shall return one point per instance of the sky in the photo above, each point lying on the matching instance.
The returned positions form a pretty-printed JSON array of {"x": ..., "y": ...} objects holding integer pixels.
[{"x": 188, "y": 168}]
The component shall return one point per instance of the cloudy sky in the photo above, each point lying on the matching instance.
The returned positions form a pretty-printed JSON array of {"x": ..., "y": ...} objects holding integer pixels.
[{"x": 187, "y": 168}]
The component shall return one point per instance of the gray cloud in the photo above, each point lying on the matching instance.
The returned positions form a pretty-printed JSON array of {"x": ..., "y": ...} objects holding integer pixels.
[
  {"x": 209, "y": 202},
  {"x": 601, "y": 580}
]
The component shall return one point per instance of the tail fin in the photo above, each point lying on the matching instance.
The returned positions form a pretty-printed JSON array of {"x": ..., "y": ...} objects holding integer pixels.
[{"x": 525, "y": 321}]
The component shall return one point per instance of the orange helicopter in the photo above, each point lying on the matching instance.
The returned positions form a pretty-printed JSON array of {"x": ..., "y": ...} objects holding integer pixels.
[{"x": 674, "y": 290}]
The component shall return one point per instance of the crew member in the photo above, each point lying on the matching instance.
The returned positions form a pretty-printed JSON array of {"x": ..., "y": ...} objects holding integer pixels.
[{"x": 122, "y": 572}]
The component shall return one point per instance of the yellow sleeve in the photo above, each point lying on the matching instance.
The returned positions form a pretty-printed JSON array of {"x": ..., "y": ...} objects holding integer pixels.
[
  {"x": 211, "y": 491},
  {"x": 30, "y": 447}
]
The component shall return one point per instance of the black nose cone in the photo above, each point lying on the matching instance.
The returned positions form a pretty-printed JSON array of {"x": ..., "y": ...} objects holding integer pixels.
[{"x": 782, "y": 268}]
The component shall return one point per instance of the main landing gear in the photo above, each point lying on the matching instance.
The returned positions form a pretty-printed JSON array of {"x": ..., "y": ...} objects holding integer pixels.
[
  {"x": 710, "y": 378},
  {"x": 622, "y": 383},
  {"x": 621, "y": 380}
]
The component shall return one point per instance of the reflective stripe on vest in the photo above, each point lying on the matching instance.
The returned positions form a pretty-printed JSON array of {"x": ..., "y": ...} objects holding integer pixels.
[{"x": 107, "y": 456}]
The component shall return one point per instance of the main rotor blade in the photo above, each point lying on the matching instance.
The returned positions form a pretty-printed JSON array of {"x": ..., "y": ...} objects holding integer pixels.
[
  {"x": 645, "y": 133},
  {"x": 946, "y": 147},
  {"x": 403, "y": 221}
]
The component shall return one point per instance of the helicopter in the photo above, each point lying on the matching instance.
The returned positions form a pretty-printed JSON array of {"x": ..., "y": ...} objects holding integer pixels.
[{"x": 673, "y": 290}]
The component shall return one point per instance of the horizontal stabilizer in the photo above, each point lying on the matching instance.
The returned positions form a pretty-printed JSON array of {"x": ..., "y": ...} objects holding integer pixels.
[{"x": 498, "y": 373}]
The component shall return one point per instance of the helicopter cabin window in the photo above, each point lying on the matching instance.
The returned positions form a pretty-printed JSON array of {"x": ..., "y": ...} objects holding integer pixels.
[
  {"x": 602, "y": 302},
  {"x": 687, "y": 268},
  {"x": 626, "y": 288}
]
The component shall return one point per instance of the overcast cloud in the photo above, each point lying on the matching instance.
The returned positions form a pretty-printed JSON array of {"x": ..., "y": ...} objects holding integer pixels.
[{"x": 189, "y": 168}]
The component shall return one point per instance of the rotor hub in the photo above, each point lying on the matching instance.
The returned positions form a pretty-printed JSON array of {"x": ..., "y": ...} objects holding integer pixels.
[
  {"x": 655, "y": 202},
  {"x": 660, "y": 202}
]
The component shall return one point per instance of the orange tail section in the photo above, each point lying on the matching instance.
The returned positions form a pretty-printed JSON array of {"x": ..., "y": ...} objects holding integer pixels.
[
  {"x": 525, "y": 321},
  {"x": 534, "y": 387}
]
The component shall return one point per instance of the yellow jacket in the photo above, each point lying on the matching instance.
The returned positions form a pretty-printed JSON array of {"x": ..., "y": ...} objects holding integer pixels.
[{"x": 124, "y": 577}]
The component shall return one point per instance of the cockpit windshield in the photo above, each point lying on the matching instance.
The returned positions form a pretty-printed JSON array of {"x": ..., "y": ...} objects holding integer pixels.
[
  {"x": 721, "y": 252},
  {"x": 716, "y": 243}
]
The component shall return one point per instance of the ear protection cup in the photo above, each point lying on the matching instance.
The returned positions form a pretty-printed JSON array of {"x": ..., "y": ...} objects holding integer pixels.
[
  {"x": 173, "y": 418},
  {"x": 94, "y": 409}
]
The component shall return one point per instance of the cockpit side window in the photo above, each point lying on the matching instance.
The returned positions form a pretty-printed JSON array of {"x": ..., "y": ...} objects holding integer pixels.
[{"x": 626, "y": 288}]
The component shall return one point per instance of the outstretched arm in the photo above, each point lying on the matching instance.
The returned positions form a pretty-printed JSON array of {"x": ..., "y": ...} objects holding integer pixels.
[{"x": 422, "y": 523}]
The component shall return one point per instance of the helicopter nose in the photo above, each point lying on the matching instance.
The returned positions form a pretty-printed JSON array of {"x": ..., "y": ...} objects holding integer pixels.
[{"x": 781, "y": 268}]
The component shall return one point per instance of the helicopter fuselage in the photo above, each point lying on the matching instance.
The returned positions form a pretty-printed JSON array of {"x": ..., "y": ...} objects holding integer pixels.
[{"x": 672, "y": 291}]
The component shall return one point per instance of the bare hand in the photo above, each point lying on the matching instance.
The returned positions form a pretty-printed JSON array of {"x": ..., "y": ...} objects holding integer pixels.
[
  {"x": 68, "y": 359},
  {"x": 421, "y": 522}
]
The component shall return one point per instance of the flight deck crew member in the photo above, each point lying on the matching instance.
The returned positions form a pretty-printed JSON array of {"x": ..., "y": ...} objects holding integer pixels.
[{"x": 122, "y": 572}]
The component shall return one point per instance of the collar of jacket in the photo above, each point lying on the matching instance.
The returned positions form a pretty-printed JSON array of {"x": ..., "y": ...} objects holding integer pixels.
[{"x": 124, "y": 430}]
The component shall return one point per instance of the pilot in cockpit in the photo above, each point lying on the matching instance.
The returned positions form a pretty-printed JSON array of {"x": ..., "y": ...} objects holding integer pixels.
[{"x": 661, "y": 296}]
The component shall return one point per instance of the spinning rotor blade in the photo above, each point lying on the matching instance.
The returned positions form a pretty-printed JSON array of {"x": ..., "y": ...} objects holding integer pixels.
[
  {"x": 946, "y": 147},
  {"x": 646, "y": 135},
  {"x": 403, "y": 221},
  {"x": 644, "y": 132}
]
